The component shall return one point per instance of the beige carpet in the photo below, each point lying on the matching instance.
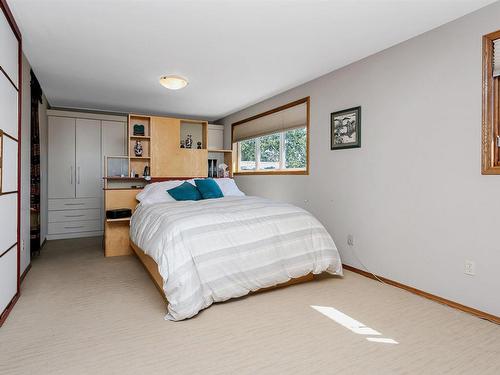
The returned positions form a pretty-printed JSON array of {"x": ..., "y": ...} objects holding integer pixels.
[{"x": 82, "y": 314}]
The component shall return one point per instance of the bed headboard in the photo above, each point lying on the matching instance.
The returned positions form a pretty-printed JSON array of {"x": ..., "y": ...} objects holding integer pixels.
[{"x": 125, "y": 197}]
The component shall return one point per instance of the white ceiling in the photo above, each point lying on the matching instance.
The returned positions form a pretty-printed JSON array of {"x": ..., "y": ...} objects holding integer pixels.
[{"x": 110, "y": 54}]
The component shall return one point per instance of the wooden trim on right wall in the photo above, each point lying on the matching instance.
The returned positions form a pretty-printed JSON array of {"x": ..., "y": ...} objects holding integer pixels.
[
  {"x": 421, "y": 293},
  {"x": 490, "y": 111}
]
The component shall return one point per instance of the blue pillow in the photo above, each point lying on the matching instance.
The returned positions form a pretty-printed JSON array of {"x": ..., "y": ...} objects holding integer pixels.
[
  {"x": 208, "y": 188},
  {"x": 185, "y": 192}
]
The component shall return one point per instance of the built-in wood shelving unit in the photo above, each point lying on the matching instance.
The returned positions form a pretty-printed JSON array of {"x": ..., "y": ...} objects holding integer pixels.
[{"x": 137, "y": 164}]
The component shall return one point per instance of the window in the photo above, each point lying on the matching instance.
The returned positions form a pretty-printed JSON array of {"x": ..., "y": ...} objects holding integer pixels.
[
  {"x": 490, "y": 163},
  {"x": 274, "y": 142}
]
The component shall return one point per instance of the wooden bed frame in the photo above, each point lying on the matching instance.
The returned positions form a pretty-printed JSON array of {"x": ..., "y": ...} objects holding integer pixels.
[
  {"x": 152, "y": 268},
  {"x": 117, "y": 234}
]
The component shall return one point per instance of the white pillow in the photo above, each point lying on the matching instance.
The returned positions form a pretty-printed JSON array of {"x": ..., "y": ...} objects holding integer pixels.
[
  {"x": 157, "y": 192},
  {"x": 229, "y": 188}
]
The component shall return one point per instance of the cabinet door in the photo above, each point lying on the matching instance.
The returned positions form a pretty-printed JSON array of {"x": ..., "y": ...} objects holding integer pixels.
[
  {"x": 165, "y": 144},
  {"x": 215, "y": 137},
  {"x": 114, "y": 138},
  {"x": 88, "y": 158},
  {"x": 61, "y": 163}
]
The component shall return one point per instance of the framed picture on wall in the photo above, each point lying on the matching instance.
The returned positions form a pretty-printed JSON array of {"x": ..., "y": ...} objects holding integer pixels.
[{"x": 345, "y": 129}]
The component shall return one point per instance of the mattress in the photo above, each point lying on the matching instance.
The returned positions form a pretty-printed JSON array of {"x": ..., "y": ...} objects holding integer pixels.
[{"x": 212, "y": 250}]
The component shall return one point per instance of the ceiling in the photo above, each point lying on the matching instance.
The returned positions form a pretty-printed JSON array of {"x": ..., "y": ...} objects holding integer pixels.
[{"x": 110, "y": 54}]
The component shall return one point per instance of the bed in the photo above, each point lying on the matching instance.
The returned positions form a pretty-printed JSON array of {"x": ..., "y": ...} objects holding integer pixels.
[{"x": 201, "y": 252}]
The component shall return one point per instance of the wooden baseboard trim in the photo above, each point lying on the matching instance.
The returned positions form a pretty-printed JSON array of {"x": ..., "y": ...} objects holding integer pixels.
[
  {"x": 25, "y": 272},
  {"x": 8, "y": 309},
  {"x": 480, "y": 314}
]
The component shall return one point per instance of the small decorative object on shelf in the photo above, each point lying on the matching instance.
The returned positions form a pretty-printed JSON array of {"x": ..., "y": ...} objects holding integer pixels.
[
  {"x": 146, "y": 172},
  {"x": 189, "y": 141},
  {"x": 199, "y": 145},
  {"x": 138, "y": 148},
  {"x": 139, "y": 129},
  {"x": 223, "y": 170},
  {"x": 132, "y": 173},
  {"x": 182, "y": 144},
  {"x": 212, "y": 168}
]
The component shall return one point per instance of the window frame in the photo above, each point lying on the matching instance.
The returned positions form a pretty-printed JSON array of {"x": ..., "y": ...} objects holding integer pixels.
[
  {"x": 291, "y": 171},
  {"x": 490, "y": 152}
]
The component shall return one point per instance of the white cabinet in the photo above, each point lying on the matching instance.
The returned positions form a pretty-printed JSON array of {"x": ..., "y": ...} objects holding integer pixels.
[
  {"x": 88, "y": 158},
  {"x": 215, "y": 137},
  {"x": 114, "y": 138},
  {"x": 77, "y": 146},
  {"x": 61, "y": 159}
]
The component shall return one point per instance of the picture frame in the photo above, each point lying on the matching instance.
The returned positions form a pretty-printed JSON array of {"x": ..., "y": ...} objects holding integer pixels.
[{"x": 345, "y": 129}]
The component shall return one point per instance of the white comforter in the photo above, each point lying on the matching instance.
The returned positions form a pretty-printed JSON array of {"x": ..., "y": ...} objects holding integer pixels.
[{"x": 212, "y": 250}]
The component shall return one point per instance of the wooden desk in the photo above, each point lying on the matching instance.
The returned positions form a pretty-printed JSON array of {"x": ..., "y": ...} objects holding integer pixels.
[{"x": 117, "y": 231}]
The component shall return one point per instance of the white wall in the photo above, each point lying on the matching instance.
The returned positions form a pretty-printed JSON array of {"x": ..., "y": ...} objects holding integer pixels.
[
  {"x": 25, "y": 165},
  {"x": 413, "y": 195}
]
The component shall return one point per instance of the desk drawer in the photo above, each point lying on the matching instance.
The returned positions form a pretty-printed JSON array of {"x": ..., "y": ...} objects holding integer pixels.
[
  {"x": 74, "y": 204},
  {"x": 74, "y": 215},
  {"x": 75, "y": 227}
]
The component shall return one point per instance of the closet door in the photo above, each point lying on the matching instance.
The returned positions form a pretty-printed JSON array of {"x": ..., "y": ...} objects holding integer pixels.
[
  {"x": 88, "y": 158},
  {"x": 9, "y": 161},
  {"x": 8, "y": 248},
  {"x": 8, "y": 51},
  {"x": 114, "y": 138},
  {"x": 61, "y": 163}
]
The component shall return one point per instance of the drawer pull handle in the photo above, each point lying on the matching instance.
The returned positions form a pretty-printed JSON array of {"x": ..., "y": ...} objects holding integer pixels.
[
  {"x": 74, "y": 204},
  {"x": 73, "y": 215},
  {"x": 80, "y": 226}
]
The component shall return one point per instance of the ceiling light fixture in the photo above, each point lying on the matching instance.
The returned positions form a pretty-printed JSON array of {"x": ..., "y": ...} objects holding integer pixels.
[{"x": 173, "y": 82}]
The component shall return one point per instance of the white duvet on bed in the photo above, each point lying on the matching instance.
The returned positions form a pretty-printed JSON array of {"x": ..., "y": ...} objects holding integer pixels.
[{"x": 212, "y": 250}]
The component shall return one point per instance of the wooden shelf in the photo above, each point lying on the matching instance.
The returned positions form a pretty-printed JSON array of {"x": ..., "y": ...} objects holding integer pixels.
[
  {"x": 125, "y": 178},
  {"x": 117, "y": 220},
  {"x": 145, "y": 137},
  {"x": 140, "y": 157},
  {"x": 218, "y": 150}
]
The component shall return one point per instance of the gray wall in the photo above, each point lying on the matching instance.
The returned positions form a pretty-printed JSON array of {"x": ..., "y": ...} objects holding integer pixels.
[{"x": 412, "y": 196}]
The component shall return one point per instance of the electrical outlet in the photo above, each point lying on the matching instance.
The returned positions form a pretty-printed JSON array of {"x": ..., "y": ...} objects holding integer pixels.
[
  {"x": 350, "y": 240},
  {"x": 470, "y": 268}
]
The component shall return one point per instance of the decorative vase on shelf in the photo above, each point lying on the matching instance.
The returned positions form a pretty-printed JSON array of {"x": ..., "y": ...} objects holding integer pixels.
[
  {"x": 189, "y": 141},
  {"x": 138, "y": 148},
  {"x": 199, "y": 145},
  {"x": 182, "y": 144}
]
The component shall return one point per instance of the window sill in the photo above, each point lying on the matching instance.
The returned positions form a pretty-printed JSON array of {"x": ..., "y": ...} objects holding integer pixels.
[{"x": 273, "y": 172}]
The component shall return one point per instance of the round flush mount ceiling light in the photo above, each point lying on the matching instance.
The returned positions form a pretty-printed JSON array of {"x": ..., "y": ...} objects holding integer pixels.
[{"x": 172, "y": 82}]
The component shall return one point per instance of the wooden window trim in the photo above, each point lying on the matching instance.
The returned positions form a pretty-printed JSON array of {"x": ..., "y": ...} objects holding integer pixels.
[
  {"x": 305, "y": 171},
  {"x": 490, "y": 158}
]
